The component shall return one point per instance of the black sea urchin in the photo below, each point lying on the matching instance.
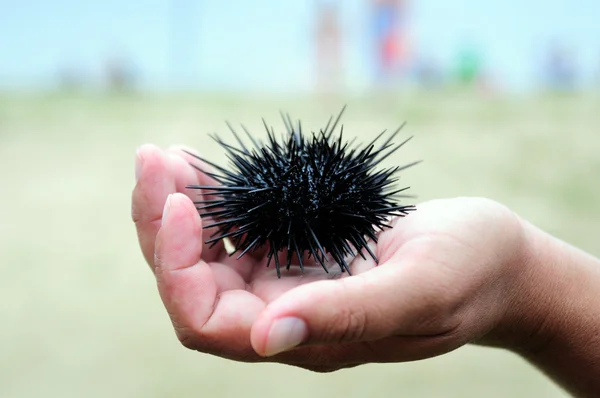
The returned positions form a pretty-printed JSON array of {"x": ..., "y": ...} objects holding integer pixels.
[{"x": 315, "y": 194}]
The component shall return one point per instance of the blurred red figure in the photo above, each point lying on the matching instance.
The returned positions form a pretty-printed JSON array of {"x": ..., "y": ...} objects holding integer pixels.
[
  {"x": 328, "y": 47},
  {"x": 391, "y": 43}
]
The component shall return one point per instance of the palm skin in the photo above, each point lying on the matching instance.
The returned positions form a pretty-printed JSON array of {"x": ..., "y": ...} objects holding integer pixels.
[{"x": 446, "y": 278}]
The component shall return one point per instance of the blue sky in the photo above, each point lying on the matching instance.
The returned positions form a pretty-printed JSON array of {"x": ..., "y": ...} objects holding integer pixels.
[{"x": 266, "y": 44}]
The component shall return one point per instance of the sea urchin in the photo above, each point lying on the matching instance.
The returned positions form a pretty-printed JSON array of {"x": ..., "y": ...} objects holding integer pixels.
[{"x": 316, "y": 194}]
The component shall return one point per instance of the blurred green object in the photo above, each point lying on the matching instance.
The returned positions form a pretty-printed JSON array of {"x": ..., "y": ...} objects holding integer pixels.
[{"x": 469, "y": 66}]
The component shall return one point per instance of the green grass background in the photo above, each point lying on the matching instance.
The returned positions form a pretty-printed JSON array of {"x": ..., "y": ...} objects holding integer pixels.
[{"x": 80, "y": 313}]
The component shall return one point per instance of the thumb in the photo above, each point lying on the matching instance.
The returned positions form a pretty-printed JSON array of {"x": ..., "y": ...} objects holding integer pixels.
[{"x": 365, "y": 307}]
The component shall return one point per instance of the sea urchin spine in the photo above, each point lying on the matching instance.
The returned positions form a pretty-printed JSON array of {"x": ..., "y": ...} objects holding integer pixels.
[{"x": 315, "y": 194}]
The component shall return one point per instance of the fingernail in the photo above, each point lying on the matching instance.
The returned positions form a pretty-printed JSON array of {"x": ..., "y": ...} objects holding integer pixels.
[
  {"x": 285, "y": 333},
  {"x": 166, "y": 210},
  {"x": 139, "y": 164}
]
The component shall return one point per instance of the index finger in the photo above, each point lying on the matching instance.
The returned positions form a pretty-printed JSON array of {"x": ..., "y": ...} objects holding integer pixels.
[
  {"x": 159, "y": 174},
  {"x": 153, "y": 186}
]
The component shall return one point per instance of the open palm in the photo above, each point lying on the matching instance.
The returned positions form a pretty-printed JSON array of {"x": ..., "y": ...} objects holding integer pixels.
[{"x": 410, "y": 307}]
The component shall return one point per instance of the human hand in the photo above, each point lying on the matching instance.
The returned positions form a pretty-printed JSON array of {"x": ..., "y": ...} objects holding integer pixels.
[{"x": 447, "y": 277}]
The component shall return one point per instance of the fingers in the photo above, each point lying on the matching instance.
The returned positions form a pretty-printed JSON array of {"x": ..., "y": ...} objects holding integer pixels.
[
  {"x": 183, "y": 162},
  {"x": 154, "y": 184},
  {"x": 389, "y": 300},
  {"x": 159, "y": 174},
  {"x": 186, "y": 284},
  {"x": 185, "y": 175},
  {"x": 206, "y": 315},
  {"x": 183, "y": 152},
  {"x": 331, "y": 311}
]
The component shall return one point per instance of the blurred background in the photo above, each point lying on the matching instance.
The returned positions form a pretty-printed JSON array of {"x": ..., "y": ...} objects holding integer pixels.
[{"x": 503, "y": 98}]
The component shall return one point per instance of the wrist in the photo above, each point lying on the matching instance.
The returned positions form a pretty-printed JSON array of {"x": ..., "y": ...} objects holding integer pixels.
[
  {"x": 561, "y": 301},
  {"x": 539, "y": 286},
  {"x": 548, "y": 308},
  {"x": 564, "y": 342},
  {"x": 534, "y": 297}
]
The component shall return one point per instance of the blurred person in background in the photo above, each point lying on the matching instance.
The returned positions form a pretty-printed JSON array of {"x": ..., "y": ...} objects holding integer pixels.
[
  {"x": 469, "y": 65},
  {"x": 390, "y": 38},
  {"x": 560, "y": 68},
  {"x": 596, "y": 76},
  {"x": 428, "y": 73},
  {"x": 119, "y": 74},
  {"x": 328, "y": 44}
]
